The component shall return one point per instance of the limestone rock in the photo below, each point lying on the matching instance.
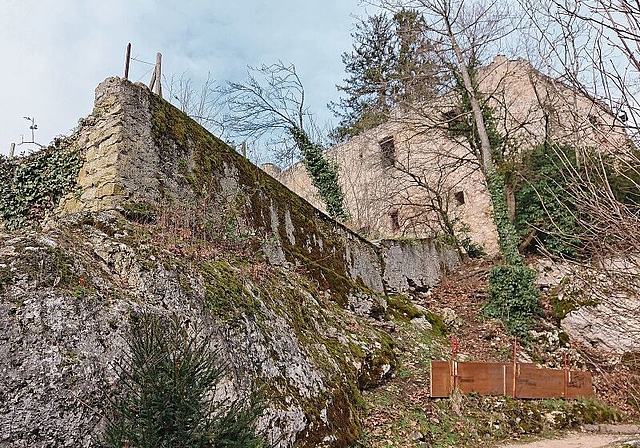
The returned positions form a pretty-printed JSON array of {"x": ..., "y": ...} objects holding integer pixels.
[{"x": 613, "y": 326}]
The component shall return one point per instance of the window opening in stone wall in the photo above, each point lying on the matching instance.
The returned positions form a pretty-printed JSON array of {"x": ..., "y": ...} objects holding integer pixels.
[
  {"x": 388, "y": 151},
  {"x": 395, "y": 221},
  {"x": 454, "y": 122},
  {"x": 459, "y": 197}
]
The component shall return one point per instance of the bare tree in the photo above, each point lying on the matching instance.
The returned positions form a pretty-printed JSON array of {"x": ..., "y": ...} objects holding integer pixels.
[
  {"x": 593, "y": 46},
  {"x": 204, "y": 105},
  {"x": 462, "y": 33},
  {"x": 271, "y": 104}
]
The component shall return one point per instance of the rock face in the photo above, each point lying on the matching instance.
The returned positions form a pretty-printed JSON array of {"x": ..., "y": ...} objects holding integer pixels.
[
  {"x": 597, "y": 305},
  {"x": 612, "y": 326},
  {"x": 169, "y": 220}
]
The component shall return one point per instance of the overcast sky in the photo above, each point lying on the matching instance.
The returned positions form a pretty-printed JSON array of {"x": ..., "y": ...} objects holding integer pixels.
[{"x": 55, "y": 52}]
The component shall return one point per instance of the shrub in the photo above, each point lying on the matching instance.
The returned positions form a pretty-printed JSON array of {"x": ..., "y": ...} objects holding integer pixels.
[
  {"x": 513, "y": 298},
  {"x": 542, "y": 201},
  {"x": 168, "y": 377}
]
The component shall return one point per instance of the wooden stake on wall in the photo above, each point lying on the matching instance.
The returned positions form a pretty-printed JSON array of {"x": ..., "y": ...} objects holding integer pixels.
[{"x": 127, "y": 61}]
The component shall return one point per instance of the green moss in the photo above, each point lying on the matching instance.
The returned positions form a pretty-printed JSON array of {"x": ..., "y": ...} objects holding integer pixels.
[
  {"x": 202, "y": 160},
  {"x": 401, "y": 307},
  {"x": 438, "y": 327},
  {"x": 471, "y": 421},
  {"x": 570, "y": 302},
  {"x": 226, "y": 295},
  {"x": 197, "y": 154},
  {"x": 57, "y": 268},
  {"x": 564, "y": 339}
]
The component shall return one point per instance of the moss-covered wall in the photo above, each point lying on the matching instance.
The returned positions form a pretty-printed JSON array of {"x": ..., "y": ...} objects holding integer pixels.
[
  {"x": 167, "y": 218},
  {"x": 146, "y": 154}
]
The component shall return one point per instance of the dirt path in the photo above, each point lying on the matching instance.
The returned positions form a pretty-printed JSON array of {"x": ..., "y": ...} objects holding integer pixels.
[{"x": 576, "y": 441}]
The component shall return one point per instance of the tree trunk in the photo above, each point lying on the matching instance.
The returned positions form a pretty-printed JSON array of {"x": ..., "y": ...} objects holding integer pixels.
[{"x": 485, "y": 147}]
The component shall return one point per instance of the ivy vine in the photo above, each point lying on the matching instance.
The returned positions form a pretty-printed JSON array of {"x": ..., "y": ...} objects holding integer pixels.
[
  {"x": 33, "y": 185},
  {"x": 323, "y": 173}
]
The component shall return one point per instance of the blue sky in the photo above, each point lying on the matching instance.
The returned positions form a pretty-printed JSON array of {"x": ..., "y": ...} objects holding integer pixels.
[{"x": 55, "y": 52}]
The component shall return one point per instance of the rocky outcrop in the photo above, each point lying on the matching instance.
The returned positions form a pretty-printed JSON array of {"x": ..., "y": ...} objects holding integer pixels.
[
  {"x": 597, "y": 305},
  {"x": 68, "y": 294},
  {"x": 169, "y": 220}
]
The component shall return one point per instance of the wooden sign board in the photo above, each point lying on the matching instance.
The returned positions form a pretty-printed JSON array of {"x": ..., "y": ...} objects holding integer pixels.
[{"x": 493, "y": 378}]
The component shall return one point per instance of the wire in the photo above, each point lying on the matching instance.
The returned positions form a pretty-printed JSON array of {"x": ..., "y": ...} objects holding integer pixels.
[
  {"x": 147, "y": 73},
  {"x": 144, "y": 62}
]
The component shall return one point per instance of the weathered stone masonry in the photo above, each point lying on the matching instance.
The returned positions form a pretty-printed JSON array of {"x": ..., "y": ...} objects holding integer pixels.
[{"x": 124, "y": 164}]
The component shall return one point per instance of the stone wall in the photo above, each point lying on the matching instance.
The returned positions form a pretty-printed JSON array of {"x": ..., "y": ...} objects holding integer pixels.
[
  {"x": 416, "y": 265},
  {"x": 139, "y": 150}
]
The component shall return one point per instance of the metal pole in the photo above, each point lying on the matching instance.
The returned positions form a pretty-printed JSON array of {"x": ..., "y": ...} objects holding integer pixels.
[
  {"x": 244, "y": 149},
  {"x": 12, "y": 149},
  {"x": 127, "y": 60}
]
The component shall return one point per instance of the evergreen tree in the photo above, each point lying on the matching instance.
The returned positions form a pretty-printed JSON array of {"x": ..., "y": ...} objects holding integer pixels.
[
  {"x": 167, "y": 379},
  {"x": 391, "y": 64}
]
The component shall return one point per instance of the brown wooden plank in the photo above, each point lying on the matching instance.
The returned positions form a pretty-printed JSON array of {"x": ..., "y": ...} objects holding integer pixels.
[
  {"x": 497, "y": 379},
  {"x": 440, "y": 379},
  {"x": 539, "y": 383},
  {"x": 484, "y": 378},
  {"x": 579, "y": 385}
]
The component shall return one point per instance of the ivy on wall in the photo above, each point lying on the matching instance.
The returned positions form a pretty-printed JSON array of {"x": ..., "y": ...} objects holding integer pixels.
[
  {"x": 323, "y": 173},
  {"x": 513, "y": 296},
  {"x": 33, "y": 185}
]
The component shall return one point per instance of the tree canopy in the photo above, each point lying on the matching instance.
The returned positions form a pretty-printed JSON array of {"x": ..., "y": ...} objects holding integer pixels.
[{"x": 391, "y": 64}]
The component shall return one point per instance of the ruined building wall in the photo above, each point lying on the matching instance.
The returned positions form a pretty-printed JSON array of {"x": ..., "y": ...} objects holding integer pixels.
[
  {"x": 531, "y": 106},
  {"x": 384, "y": 200}
]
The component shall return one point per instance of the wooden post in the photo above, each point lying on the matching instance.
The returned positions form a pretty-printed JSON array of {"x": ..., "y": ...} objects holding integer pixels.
[
  {"x": 127, "y": 60},
  {"x": 515, "y": 365},
  {"x": 159, "y": 74},
  {"x": 12, "y": 149},
  {"x": 153, "y": 79},
  {"x": 566, "y": 376}
]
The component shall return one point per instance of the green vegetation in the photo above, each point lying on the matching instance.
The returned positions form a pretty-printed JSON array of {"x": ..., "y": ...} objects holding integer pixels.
[
  {"x": 31, "y": 186},
  {"x": 470, "y": 421},
  {"x": 391, "y": 64},
  {"x": 543, "y": 202},
  {"x": 323, "y": 173},
  {"x": 401, "y": 408},
  {"x": 552, "y": 190},
  {"x": 513, "y": 297},
  {"x": 401, "y": 307},
  {"x": 168, "y": 376}
]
